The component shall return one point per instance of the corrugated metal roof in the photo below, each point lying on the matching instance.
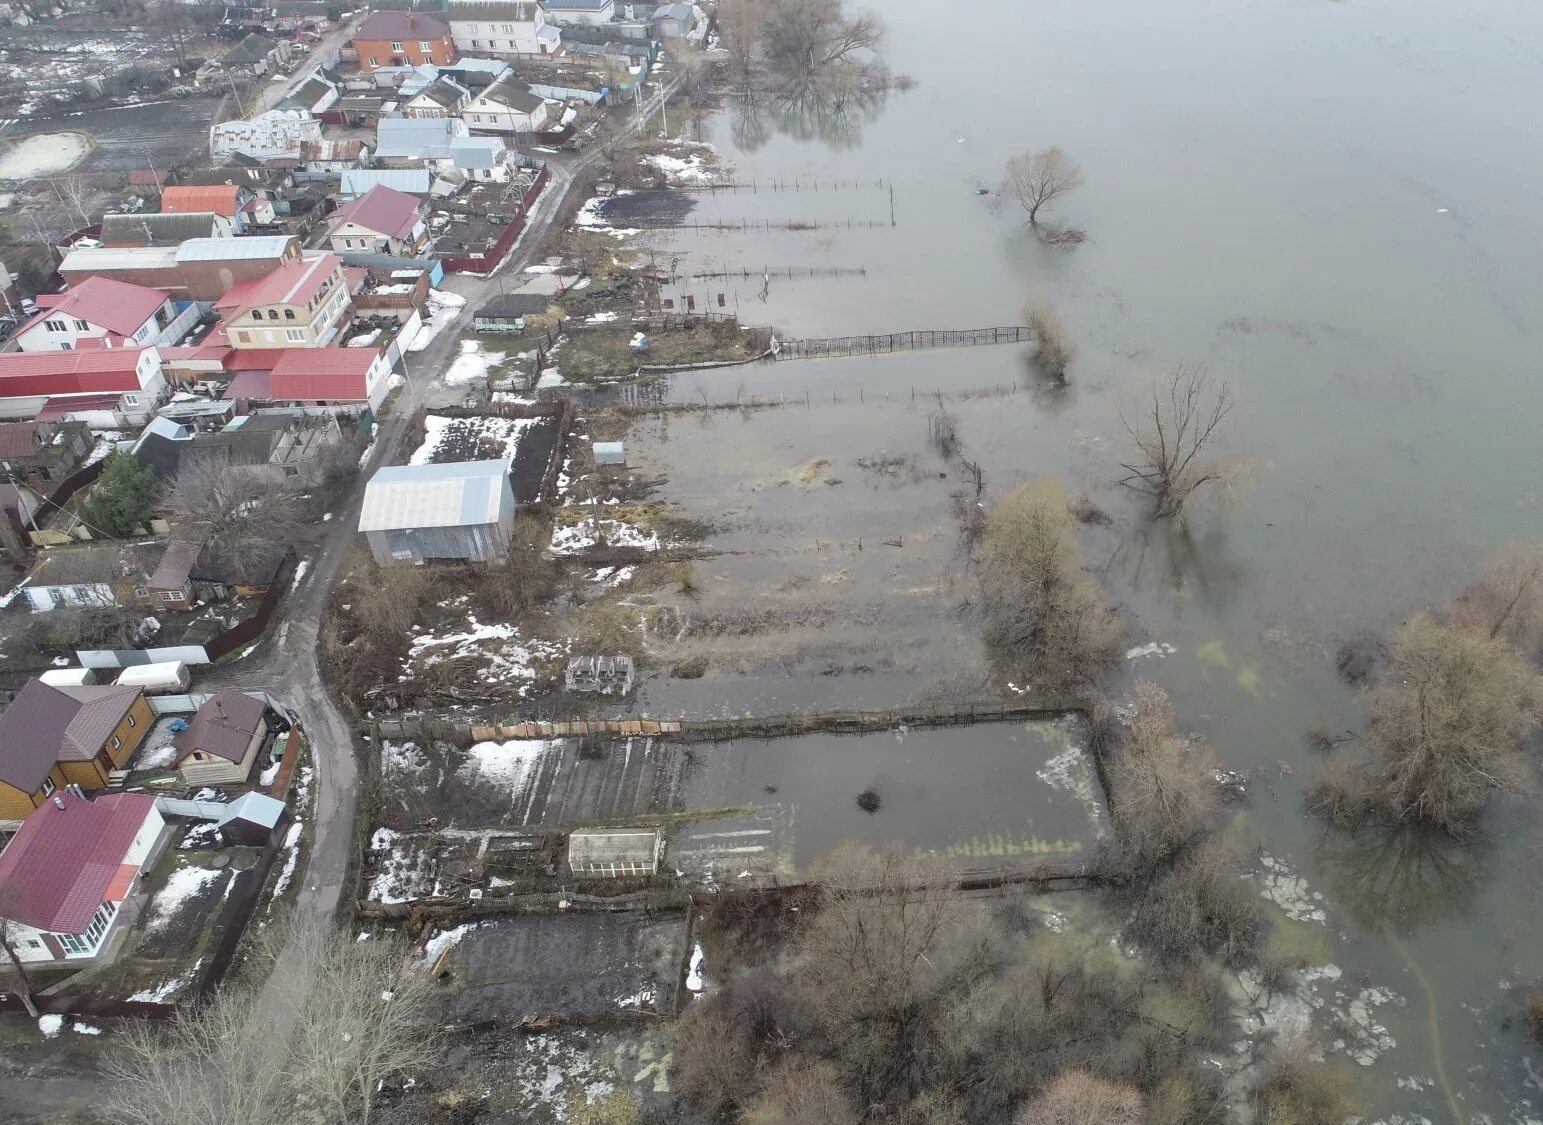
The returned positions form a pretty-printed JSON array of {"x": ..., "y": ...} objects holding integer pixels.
[
  {"x": 223, "y": 726},
  {"x": 426, "y": 137},
  {"x": 44, "y": 725},
  {"x": 124, "y": 258},
  {"x": 357, "y": 181},
  {"x": 463, "y": 494},
  {"x": 227, "y": 249},
  {"x": 254, "y": 808}
]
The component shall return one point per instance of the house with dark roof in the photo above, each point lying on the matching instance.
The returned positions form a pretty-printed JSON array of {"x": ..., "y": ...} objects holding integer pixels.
[
  {"x": 381, "y": 221},
  {"x": 444, "y": 97},
  {"x": 389, "y": 38},
  {"x": 71, "y": 874},
  {"x": 51, "y": 737},
  {"x": 222, "y": 741},
  {"x": 104, "y": 574},
  {"x": 505, "y": 106},
  {"x": 104, "y": 312},
  {"x": 255, "y": 56},
  {"x": 316, "y": 94},
  {"x": 42, "y": 453},
  {"x": 164, "y": 230}
]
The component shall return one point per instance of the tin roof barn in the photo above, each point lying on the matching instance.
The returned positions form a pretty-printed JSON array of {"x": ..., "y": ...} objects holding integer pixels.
[
  {"x": 463, "y": 510},
  {"x": 252, "y": 819},
  {"x": 612, "y": 853}
]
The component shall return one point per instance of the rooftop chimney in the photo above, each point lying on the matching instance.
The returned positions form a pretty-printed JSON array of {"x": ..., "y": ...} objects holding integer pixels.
[{"x": 59, "y": 803}]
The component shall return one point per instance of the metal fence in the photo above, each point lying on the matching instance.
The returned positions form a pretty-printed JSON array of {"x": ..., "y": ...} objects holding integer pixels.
[{"x": 901, "y": 342}]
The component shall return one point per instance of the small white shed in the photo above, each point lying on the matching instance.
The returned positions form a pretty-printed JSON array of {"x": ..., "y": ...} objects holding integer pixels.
[
  {"x": 613, "y": 853},
  {"x": 610, "y": 453}
]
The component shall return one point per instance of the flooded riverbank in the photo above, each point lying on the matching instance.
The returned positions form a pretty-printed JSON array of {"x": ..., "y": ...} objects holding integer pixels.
[{"x": 1327, "y": 205}]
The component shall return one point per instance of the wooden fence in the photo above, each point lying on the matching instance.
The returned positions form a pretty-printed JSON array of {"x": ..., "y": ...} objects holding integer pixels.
[
  {"x": 488, "y": 261},
  {"x": 901, "y": 342},
  {"x": 245, "y": 632}
]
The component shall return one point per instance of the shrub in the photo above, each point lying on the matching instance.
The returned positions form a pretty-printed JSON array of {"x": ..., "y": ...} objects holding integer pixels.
[
  {"x": 1296, "y": 1089},
  {"x": 1201, "y": 905},
  {"x": 1341, "y": 792},
  {"x": 1079, "y": 1098},
  {"x": 1054, "y": 348}
]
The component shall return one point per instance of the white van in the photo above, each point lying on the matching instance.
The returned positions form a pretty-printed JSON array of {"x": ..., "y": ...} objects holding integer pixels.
[
  {"x": 69, "y": 677},
  {"x": 157, "y": 679}
]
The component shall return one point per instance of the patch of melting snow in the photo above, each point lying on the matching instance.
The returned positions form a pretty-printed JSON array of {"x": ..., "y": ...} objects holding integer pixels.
[
  {"x": 1071, "y": 771},
  {"x": 590, "y": 531},
  {"x": 1281, "y": 884},
  {"x": 472, "y": 364},
  {"x": 50, "y": 1025},
  {"x": 185, "y": 884},
  {"x": 1156, "y": 648},
  {"x": 508, "y": 658},
  {"x": 600, "y": 318},
  {"x": 84, "y": 1029},
  {"x": 292, "y": 846},
  {"x": 694, "y": 971},
  {"x": 505, "y": 763},
  {"x": 406, "y": 871},
  {"x": 640, "y": 999},
  {"x": 164, "y": 991},
  {"x": 439, "y": 431},
  {"x": 436, "y": 946}
]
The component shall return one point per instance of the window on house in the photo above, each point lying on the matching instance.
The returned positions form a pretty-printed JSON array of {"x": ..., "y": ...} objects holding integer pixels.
[
  {"x": 425, "y": 46},
  {"x": 289, "y": 314},
  {"x": 82, "y": 325},
  {"x": 257, "y": 314},
  {"x": 141, "y": 591},
  {"x": 273, "y": 314},
  {"x": 133, "y": 722},
  {"x": 48, "y": 787},
  {"x": 374, "y": 61},
  {"x": 33, "y": 943},
  {"x": 56, "y": 326},
  {"x": 115, "y": 741},
  {"x": 396, "y": 46},
  {"x": 295, "y": 335},
  {"x": 131, "y": 400},
  {"x": 171, "y": 595}
]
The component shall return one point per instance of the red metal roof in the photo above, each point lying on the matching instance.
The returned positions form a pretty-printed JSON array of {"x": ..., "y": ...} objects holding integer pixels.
[
  {"x": 322, "y": 375},
  {"x": 90, "y": 371},
  {"x": 250, "y": 385},
  {"x": 383, "y": 210},
  {"x": 253, "y": 359},
  {"x": 222, "y": 199},
  {"x": 54, "y": 409},
  {"x": 117, "y": 306},
  {"x": 294, "y": 283},
  {"x": 391, "y": 27},
  {"x": 62, "y": 862}
]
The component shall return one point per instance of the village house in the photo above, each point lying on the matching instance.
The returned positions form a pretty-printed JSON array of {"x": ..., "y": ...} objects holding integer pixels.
[
  {"x": 42, "y": 453},
  {"x": 589, "y": 12},
  {"x": 336, "y": 377},
  {"x": 103, "y": 574},
  {"x": 403, "y": 39},
  {"x": 302, "y": 303},
  {"x": 163, "y": 230},
  {"x": 613, "y": 853},
  {"x": 417, "y": 513},
  {"x": 223, "y": 739},
  {"x": 124, "y": 385},
  {"x": 382, "y": 221},
  {"x": 281, "y": 446},
  {"x": 423, "y": 142},
  {"x": 674, "y": 21},
  {"x": 70, "y": 878},
  {"x": 242, "y": 206},
  {"x": 507, "y": 311},
  {"x": 508, "y": 27},
  {"x": 254, "y": 57},
  {"x": 444, "y": 97},
  {"x": 484, "y": 159},
  {"x": 274, "y": 135},
  {"x": 506, "y": 106},
  {"x": 333, "y": 156},
  {"x": 315, "y": 95},
  {"x": 51, "y": 737},
  {"x": 102, "y": 312}
]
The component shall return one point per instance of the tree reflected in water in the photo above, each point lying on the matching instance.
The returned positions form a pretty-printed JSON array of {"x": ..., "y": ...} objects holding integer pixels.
[
  {"x": 1402, "y": 877},
  {"x": 835, "y": 118}
]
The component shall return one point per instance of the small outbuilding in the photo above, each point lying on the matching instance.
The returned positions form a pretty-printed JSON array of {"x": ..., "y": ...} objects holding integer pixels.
[
  {"x": 615, "y": 853},
  {"x": 463, "y": 510},
  {"x": 610, "y": 453},
  {"x": 221, "y": 743},
  {"x": 252, "y": 819},
  {"x": 603, "y": 674}
]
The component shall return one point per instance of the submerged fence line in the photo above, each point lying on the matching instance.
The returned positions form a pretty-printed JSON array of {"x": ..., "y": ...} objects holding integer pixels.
[
  {"x": 901, "y": 342},
  {"x": 755, "y": 187}
]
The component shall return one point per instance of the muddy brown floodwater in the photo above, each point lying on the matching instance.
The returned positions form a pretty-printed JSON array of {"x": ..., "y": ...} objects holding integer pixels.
[{"x": 1331, "y": 205}]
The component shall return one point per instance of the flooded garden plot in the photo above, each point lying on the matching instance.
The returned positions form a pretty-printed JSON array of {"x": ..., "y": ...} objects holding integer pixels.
[{"x": 577, "y": 965}]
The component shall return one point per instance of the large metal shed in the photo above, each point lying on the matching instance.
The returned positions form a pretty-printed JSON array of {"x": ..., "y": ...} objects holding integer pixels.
[
  {"x": 414, "y": 513},
  {"x": 615, "y": 852}
]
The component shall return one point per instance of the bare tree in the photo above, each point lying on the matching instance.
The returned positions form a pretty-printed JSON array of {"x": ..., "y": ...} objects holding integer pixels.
[
  {"x": 1163, "y": 785},
  {"x": 796, "y": 1091},
  {"x": 1298, "y": 1088},
  {"x": 1037, "y": 179},
  {"x": 1041, "y": 609},
  {"x": 740, "y": 24},
  {"x": 73, "y": 190},
  {"x": 1448, "y": 730},
  {"x": 686, "y": 62},
  {"x": 1079, "y": 1098},
  {"x": 9, "y": 932},
  {"x": 238, "y": 513},
  {"x": 804, "y": 40},
  {"x": 1054, "y": 348},
  {"x": 1508, "y": 602},
  {"x": 1177, "y": 422}
]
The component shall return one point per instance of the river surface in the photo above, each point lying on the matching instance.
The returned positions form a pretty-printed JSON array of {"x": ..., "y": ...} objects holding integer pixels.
[{"x": 1334, "y": 206}]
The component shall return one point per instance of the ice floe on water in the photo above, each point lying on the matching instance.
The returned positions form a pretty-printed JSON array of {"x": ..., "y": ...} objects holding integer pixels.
[
  {"x": 1284, "y": 886},
  {"x": 1156, "y": 648}
]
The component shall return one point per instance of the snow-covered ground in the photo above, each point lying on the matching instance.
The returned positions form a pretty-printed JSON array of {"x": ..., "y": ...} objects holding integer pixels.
[
  {"x": 444, "y": 307},
  {"x": 406, "y": 870},
  {"x": 472, "y": 364},
  {"x": 693, "y": 170},
  {"x": 184, "y": 884},
  {"x": 505, "y": 764},
  {"x": 438, "y": 430},
  {"x": 168, "y": 989},
  {"x": 506, "y": 657}
]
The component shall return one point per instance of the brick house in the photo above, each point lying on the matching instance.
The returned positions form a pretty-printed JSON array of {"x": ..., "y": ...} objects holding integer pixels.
[{"x": 403, "y": 39}]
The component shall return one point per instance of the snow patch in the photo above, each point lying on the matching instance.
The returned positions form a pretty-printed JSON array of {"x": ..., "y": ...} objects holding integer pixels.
[
  {"x": 185, "y": 884},
  {"x": 592, "y": 531}
]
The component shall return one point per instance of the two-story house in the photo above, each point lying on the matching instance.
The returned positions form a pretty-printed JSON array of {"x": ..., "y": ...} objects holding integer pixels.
[
  {"x": 502, "y": 27},
  {"x": 381, "y": 221},
  {"x": 506, "y": 106},
  {"x": 403, "y": 39},
  {"x": 580, "y": 11},
  {"x": 51, "y": 737},
  {"x": 104, "y": 312},
  {"x": 69, "y": 870},
  {"x": 301, "y": 304}
]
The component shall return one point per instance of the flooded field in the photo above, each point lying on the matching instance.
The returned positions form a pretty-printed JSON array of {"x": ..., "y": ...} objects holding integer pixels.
[{"x": 1360, "y": 269}]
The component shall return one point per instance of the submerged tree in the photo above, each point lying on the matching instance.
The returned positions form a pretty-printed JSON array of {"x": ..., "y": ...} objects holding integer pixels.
[
  {"x": 1447, "y": 732},
  {"x": 1037, "y": 179},
  {"x": 1177, "y": 422},
  {"x": 808, "y": 44},
  {"x": 739, "y": 27},
  {"x": 1041, "y": 609},
  {"x": 1507, "y": 603},
  {"x": 1054, "y": 349}
]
